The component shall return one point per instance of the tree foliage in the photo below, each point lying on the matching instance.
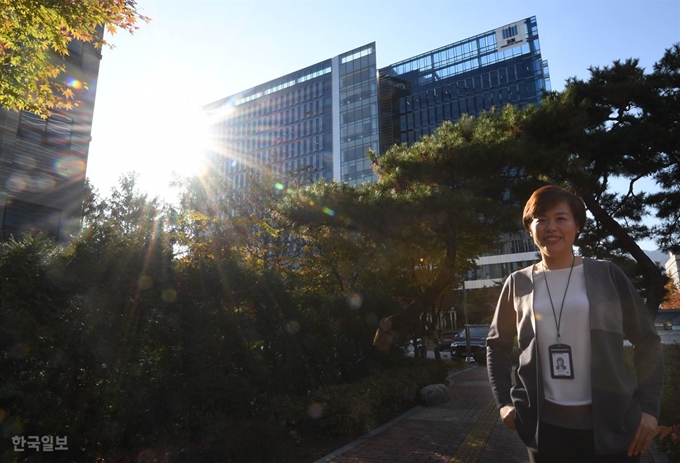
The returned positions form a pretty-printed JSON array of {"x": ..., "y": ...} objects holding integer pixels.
[
  {"x": 619, "y": 125},
  {"x": 33, "y": 32}
]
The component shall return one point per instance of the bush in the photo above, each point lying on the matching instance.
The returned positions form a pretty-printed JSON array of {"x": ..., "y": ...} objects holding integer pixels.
[{"x": 353, "y": 409}]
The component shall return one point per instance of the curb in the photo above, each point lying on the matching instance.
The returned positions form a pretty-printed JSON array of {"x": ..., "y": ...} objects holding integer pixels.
[{"x": 378, "y": 430}]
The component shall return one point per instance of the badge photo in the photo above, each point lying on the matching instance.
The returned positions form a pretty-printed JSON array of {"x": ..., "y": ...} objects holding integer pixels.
[{"x": 561, "y": 366}]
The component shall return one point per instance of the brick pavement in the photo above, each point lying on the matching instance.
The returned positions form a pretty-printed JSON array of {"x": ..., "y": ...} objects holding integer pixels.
[{"x": 467, "y": 429}]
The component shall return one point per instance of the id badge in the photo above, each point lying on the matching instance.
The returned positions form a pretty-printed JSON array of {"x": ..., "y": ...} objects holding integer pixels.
[{"x": 561, "y": 366}]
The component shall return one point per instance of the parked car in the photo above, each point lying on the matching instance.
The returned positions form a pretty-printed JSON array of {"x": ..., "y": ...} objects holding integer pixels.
[
  {"x": 478, "y": 335},
  {"x": 446, "y": 340},
  {"x": 668, "y": 325}
]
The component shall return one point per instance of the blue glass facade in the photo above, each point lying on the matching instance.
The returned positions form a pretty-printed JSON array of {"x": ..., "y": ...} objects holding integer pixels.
[
  {"x": 358, "y": 114},
  {"x": 493, "y": 69},
  {"x": 321, "y": 120}
]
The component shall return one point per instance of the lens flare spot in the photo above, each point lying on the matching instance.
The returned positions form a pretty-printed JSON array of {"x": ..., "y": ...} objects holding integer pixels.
[
  {"x": 45, "y": 182},
  {"x": 169, "y": 295},
  {"x": 538, "y": 316},
  {"x": 16, "y": 184},
  {"x": 145, "y": 282},
  {"x": 70, "y": 167},
  {"x": 71, "y": 227},
  {"x": 278, "y": 186},
  {"x": 354, "y": 301},
  {"x": 74, "y": 83},
  {"x": 328, "y": 211},
  {"x": 293, "y": 327},
  {"x": 315, "y": 410}
]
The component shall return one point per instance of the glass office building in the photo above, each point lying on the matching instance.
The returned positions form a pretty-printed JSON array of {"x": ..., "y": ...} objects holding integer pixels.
[
  {"x": 326, "y": 116},
  {"x": 320, "y": 121},
  {"x": 493, "y": 69}
]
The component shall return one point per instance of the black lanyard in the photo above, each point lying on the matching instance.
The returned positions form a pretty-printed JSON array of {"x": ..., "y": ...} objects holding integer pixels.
[{"x": 558, "y": 322}]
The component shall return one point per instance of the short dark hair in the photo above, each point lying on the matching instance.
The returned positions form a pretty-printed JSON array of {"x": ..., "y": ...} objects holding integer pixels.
[{"x": 549, "y": 196}]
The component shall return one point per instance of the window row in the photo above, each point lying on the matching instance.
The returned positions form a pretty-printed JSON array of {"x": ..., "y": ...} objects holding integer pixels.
[
  {"x": 283, "y": 152},
  {"x": 20, "y": 217},
  {"x": 266, "y": 123},
  {"x": 469, "y": 86},
  {"x": 358, "y": 114},
  {"x": 358, "y": 131},
  {"x": 514, "y": 52},
  {"x": 313, "y": 162},
  {"x": 496, "y": 271},
  {"x": 358, "y": 77},
  {"x": 452, "y": 55},
  {"x": 356, "y": 64},
  {"x": 275, "y": 137},
  {"x": 295, "y": 96},
  {"x": 359, "y": 165},
  {"x": 352, "y": 154},
  {"x": 53, "y": 131},
  {"x": 358, "y": 92},
  {"x": 473, "y": 105}
]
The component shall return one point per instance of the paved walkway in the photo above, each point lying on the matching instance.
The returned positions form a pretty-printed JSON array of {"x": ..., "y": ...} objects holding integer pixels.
[{"x": 467, "y": 429}]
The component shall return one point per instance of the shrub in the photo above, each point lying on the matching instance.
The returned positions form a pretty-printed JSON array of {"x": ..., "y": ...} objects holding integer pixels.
[{"x": 353, "y": 409}]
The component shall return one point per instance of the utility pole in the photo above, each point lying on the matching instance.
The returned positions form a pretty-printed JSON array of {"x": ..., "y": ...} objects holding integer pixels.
[{"x": 468, "y": 358}]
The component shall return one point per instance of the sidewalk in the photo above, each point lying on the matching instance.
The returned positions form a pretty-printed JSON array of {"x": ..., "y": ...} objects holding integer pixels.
[{"x": 467, "y": 429}]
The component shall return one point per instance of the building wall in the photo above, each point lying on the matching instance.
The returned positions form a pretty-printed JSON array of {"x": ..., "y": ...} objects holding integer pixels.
[
  {"x": 320, "y": 120},
  {"x": 43, "y": 161},
  {"x": 672, "y": 268}
]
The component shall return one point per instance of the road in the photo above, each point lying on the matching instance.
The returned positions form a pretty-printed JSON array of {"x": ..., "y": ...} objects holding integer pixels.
[{"x": 669, "y": 336}]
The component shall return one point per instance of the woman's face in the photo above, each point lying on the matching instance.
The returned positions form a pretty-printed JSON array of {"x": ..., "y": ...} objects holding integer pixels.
[{"x": 554, "y": 231}]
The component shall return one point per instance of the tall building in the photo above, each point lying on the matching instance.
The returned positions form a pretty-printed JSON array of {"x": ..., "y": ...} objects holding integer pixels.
[
  {"x": 493, "y": 69},
  {"x": 326, "y": 116},
  {"x": 43, "y": 161}
]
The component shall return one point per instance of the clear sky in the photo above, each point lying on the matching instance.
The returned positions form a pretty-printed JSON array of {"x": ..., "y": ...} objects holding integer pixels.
[{"x": 153, "y": 84}]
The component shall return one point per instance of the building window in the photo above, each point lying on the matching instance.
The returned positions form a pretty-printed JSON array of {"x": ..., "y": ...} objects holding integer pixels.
[
  {"x": 75, "y": 50},
  {"x": 21, "y": 217},
  {"x": 54, "y": 131}
]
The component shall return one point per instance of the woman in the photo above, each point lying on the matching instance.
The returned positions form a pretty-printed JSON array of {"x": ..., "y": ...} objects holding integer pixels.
[{"x": 580, "y": 311}]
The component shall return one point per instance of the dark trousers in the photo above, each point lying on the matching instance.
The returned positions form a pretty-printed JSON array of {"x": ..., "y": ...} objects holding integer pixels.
[{"x": 563, "y": 445}]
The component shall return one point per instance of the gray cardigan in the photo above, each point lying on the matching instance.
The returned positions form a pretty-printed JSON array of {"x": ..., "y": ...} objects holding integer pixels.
[{"x": 617, "y": 312}]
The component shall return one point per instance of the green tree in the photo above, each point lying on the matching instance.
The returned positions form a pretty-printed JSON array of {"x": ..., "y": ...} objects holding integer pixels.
[
  {"x": 621, "y": 124},
  {"x": 445, "y": 194},
  {"x": 32, "y": 32}
]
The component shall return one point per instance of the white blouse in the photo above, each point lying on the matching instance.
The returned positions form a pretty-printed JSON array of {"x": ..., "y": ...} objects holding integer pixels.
[{"x": 574, "y": 331}]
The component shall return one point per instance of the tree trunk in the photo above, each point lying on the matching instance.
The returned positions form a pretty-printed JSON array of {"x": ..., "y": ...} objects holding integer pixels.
[
  {"x": 656, "y": 279},
  {"x": 406, "y": 319}
]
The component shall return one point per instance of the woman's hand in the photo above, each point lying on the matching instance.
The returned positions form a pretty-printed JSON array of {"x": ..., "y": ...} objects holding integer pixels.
[
  {"x": 644, "y": 435},
  {"x": 508, "y": 416}
]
